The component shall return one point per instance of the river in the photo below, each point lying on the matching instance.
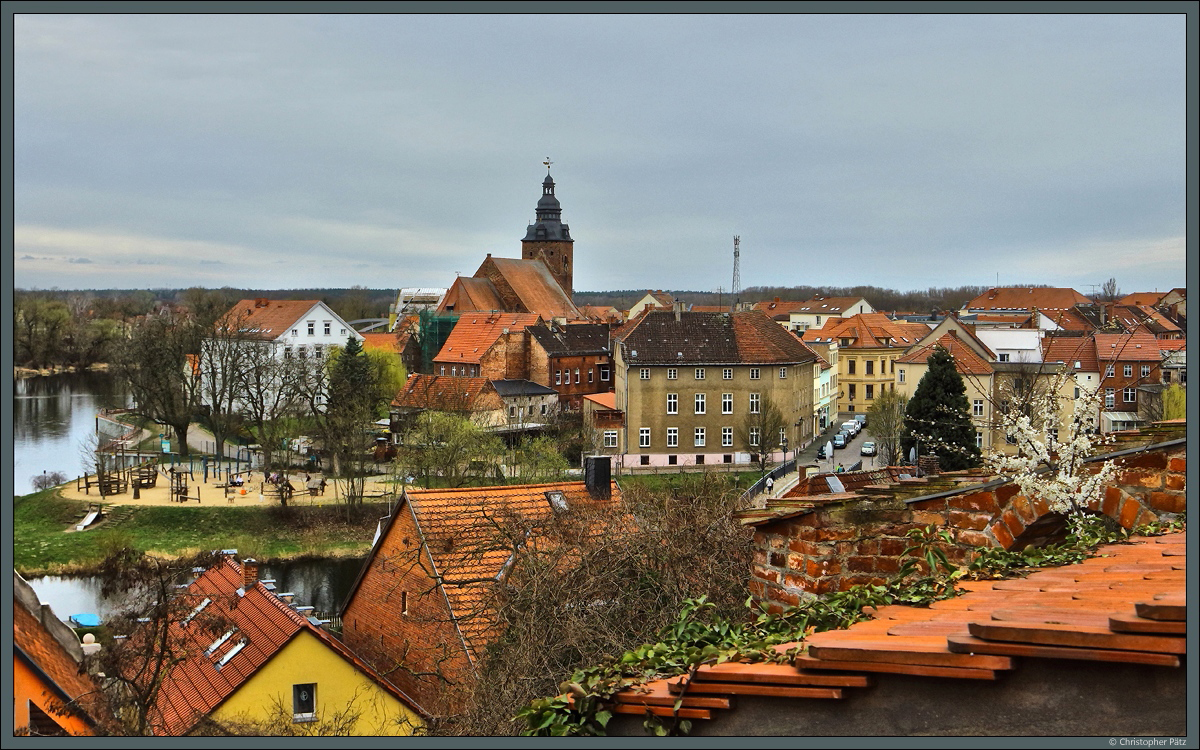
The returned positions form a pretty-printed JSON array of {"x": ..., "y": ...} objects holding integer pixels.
[{"x": 53, "y": 417}]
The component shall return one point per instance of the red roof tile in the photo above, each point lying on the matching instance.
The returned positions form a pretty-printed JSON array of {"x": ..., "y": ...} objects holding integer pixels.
[
  {"x": 267, "y": 319},
  {"x": 1026, "y": 299},
  {"x": 475, "y": 333},
  {"x": 446, "y": 393},
  {"x": 867, "y": 331},
  {"x": 1127, "y": 347},
  {"x": 966, "y": 361},
  {"x": 1069, "y": 350}
]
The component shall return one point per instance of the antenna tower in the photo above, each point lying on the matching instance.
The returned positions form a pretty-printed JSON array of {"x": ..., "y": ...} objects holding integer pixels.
[{"x": 735, "y": 292}]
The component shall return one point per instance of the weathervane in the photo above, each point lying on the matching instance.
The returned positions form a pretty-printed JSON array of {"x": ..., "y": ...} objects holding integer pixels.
[{"x": 547, "y": 163}]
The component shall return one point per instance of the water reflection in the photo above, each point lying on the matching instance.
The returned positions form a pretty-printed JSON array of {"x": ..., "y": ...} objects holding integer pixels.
[{"x": 52, "y": 417}]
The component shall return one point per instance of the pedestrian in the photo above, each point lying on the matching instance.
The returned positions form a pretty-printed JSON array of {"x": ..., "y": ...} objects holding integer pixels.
[
  {"x": 770, "y": 484},
  {"x": 840, "y": 469}
]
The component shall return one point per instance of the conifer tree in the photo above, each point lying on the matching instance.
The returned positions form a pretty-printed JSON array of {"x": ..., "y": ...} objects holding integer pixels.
[{"x": 937, "y": 416}]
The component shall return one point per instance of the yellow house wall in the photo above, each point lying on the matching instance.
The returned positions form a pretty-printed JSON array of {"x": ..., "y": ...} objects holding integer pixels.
[
  {"x": 883, "y": 376},
  {"x": 339, "y": 685}
]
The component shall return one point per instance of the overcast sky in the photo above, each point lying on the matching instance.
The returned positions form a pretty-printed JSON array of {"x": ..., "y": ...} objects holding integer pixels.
[{"x": 387, "y": 151}]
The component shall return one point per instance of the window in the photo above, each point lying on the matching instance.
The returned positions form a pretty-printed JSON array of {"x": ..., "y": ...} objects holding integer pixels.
[
  {"x": 1110, "y": 398},
  {"x": 900, "y": 375},
  {"x": 852, "y": 394},
  {"x": 850, "y": 367},
  {"x": 726, "y": 437},
  {"x": 512, "y": 412},
  {"x": 576, "y": 376},
  {"x": 644, "y": 461},
  {"x": 312, "y": 328},
  {"x": 672, "y": 373},
  {"x": 304, "y": 702},
  {"x": 287, "y": 352},
  {"x": 1128, "y": 369},
  {"x": 591, "y": 376},
  {"x": 404, "y": 602},
  {"x": 441, "y": 369},
  {"x": 1130, "y": 396},
  {"x": 699, "y": 373},
  {"x": 604, "y": 373},
  {"x": 1003, "y": 357},
  {"x": 818, "y": 321},
  {"x": 672, "y": 403},
  {"x": 543, "y": 410},
  {"x": 727, "y": 403},
  {"x": 869, "y": 367},
  {"x": 672, "y": 460},
  {"x": 1166, "y": 376},
  {"x": 727, "y": 373},
  {"x": 754, "y": 433},
  {"x": 698, "y": 440},
  {"x": 295, "y": 331},
  {"x": 1145, "y": 371},
  {"x": 672, "y": 437},
  {"x": 892, "y": 366},
  {"x": 343, "y": 332},
  {"x": 754, "y": 373},
  {"x": 978, "y": 439},
  {"x": 755, "y": 402},
  {"x": 977, "y": 407},
  {"x": 1010, "y": 439},
  {"x": 316, "y": 351},
  {"x": 558, "y": 377},
  {"x": 454, "y": 371},
  {"x": 644, "y": 437},
  {"x": 699, "y": 459},
  {"x": 699, "y": 403},
  {"x": 1110, "y": 371},
  {"x": 782, "y": 435},
  {"x": 328, "y": 327},
  {"x": 645, "y": 373},
  {"x": 783, "y": 373},
  {"x": 870, "y": 391},
  {"x": 610, "y": 438}
]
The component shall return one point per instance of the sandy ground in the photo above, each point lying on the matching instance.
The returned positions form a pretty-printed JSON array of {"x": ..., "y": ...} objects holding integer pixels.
[{"x": 211, "y": 494}]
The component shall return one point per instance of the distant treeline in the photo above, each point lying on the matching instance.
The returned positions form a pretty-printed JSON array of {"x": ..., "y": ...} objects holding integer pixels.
[{"x": 887, "y": 300}]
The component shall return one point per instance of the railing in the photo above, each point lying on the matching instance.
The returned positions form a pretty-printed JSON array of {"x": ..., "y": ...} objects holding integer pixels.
[{"x": 757, "y": 488}]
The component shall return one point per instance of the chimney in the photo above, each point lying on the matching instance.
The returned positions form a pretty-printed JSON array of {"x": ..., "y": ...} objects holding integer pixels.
[
  {"x": 678, "y": 306},
  {"x": 262, "y": 302},
  {"x": 249, "y": 573},
  {"x": 597, "y": 475}
]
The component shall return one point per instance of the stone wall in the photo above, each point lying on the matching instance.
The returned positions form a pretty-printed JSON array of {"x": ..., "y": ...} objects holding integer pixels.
[{"x": 825, "y": 543}]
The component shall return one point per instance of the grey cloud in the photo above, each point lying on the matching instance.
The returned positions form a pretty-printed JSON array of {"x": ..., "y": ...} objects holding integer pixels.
[{"x": 79, "y": 260}]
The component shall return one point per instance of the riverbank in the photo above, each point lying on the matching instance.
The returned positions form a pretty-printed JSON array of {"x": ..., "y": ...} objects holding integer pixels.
[
  {"x": 28, "y": 372},
  {"x": 45, "y": 542}
]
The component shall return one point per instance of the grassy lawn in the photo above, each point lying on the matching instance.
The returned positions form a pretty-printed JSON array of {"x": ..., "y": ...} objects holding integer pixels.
[
  {"x": 677, "y": 480},
  {"x": 41, "y": 546}
]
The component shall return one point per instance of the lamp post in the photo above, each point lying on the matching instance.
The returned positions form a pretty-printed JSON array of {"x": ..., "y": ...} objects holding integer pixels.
[{"x": 784, "y": 443}]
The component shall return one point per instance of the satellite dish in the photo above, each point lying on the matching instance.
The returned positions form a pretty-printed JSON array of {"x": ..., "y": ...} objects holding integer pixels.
[
  {"x": 829, "y": 449},
  {"x": 912, "y": 455}
]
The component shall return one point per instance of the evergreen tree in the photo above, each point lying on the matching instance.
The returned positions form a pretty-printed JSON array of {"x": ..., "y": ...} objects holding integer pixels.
[{"x": 938, "y": 418}]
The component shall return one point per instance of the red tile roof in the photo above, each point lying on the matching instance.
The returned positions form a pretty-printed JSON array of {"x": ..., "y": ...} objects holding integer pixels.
[
  {"x": 267, "y": 319},
  {"x": 664, "y": 336},
  {"x": 468, "y": 294},
  {"x": 966, "y": 361},
  {"x": 1125, "y": 606},
  {"x": 827, "y": 305},
  {"x": 1025, "y": 299},
  {"x": 532, "y": 283},
  {"x": 866, "y": 331},
  {"x": 778, "y": 309},
  {"x": 446, "y": 393},
  {"x": 475, "y": 333},
  {"x": 1127, "y": 347},
  {"x": 260, "y": 625},
  {"x": 605, "y": 400},
  {"x": 1142, "y": 298},
  {"x": 1069, "y": 350}
]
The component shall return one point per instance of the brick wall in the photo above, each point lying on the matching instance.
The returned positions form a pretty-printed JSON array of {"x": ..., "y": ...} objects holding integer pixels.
[{"x": 859, "y": 538}]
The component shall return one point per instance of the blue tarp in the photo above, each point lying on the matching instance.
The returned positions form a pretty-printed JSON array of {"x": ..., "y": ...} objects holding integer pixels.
[{"x": 85, "y": 621}]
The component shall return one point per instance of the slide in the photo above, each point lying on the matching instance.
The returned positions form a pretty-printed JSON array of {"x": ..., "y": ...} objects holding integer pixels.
[{"x": 87, "y": 520}]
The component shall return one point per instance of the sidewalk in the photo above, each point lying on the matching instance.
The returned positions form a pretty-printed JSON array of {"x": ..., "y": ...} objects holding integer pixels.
[{"x": 808, "y": 457}]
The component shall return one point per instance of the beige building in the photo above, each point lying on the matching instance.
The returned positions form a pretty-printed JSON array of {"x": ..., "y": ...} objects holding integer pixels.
[
  {"x": 689, "y": 385},
  {"x": 868, "y": 346}
]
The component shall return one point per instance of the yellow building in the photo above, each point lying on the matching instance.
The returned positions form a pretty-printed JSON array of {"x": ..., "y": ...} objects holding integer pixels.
[
  {"x": 257, "y": 664},
  {"x": 868, "y": 346}
]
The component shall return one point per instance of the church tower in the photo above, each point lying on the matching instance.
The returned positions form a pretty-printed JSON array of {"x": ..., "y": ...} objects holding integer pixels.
[{"x": 548, "y": 239}]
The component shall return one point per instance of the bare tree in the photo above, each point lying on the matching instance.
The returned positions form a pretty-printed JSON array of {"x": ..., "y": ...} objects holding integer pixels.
[
  {"x": 762, "y": 431},
  {"x": 222, "y": 355},
  {"x": 271, "y": 390},
  {"x": 159, "y": 361},
  {"x": 1109, "y": 291},
  {"x": 886, "y": 417}
]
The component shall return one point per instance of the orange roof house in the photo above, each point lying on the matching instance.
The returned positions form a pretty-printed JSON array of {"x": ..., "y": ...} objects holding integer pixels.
[
  {"x": 267, "y": 649},
  {"x": 1024, "y": 300},
  {"x": 287, "y": 321},
  {"x": 511, "y": 285},
  {"x": 52, "y": 692},
  {"x": 422, "y": 607},
  {"x": 868, "y": 346},
  {"x": 489, "y": 345}
]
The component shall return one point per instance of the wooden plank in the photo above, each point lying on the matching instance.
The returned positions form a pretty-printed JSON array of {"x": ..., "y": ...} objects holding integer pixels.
[
  {"x": 1128, "y": 623},
  {"x": 930, "y": 627},
  {"x": 1077, "y": 636},
  {"x": 1163, "y": 609},
  {"x": 904, "y": 651},
  {"x": 888, "y": 668},
  {"x": 780, "y": 674},
  {"x": 773, "y": 691},
  {"x": 683, "y": 713},
  {"x": 969, "y": 645},
  {"x": 665, "y": 698},
  {"x": 1054, "y": 615}
]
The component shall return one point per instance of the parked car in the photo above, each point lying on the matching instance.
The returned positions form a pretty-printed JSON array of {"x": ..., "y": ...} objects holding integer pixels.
[
  {"x": 821, "y": 452},
  {"x": 861, "y": 419},
  {"x": 840, "y": 440},
  {"x": 868, "y": 449},
  {"x": 851, "y": 428}
]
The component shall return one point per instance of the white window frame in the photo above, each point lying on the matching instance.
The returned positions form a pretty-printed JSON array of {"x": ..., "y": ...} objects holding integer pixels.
[
  {"x": 900, "y": 375},
  {"x": 610, "y": 438},
  {"x": 699, "y": 373},
  {"x": 1129, "y": 395},
  {"x": 672, "y": 373},
  {"x": 672, "y": 437},
  {"x": 755, "y": 403},
  {"x": 644, "y": 437},
  {"x": 1004, "y": 357},
  {"x": 604, "y": 373},
  {"x": 783, "y": 373},
  {"x": 726, "y": 437},
  {"x": 577, "y": 381},
  {"x": 700, "y": 403},
  {"x": 754, "y": 436},
  {"x": 977, "y": 407},
  {"x": 328, "y": 325},
  {"x": 312, "y": 327},
  {"x": 1145, "y": 371},
  {"x": 558, "y": 377},
  {"x": 1110, "y": 398},
  {"x": 754, "y": 373},
  {"x": 727, "y": 373},
  {"x": 699, "y": 437},
  {"x": 591, "y": 376},
  {"x": 672, "y": 403},
  {"x": 727, "y": 403},
  {"x": 1110, "y": 371},
  {"x": 299, "y": 716},
  {"x": 1128, "y": 370},
  {"x": 645, "y": 375}
]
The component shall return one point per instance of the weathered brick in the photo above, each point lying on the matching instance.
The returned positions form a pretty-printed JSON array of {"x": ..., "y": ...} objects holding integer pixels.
[
  {"x": 1022, "y": 507},
  {"x": 890, "y": 565},
  {"x": 1149, "y": 479},
  {"x": 1112, "y": 501},
  {"x": 975, "y": 539},
  {"x": 772, "y": 576},
  {"x": 1004, "y": 493},
  {"x": 756, "y": 588},
  {"x": 928, "y": 518},
  {"x": 1013, "y": 522},
  {"x": 1040, "y": 508},
  {"x": 1175, "y": 482},
  {"x": 981, "y": 501},
  {"x": 1167, "y": 502},
  {"x": 849, "y": 581},
  {"x": 1177, "y": 464},
  {"x": 1148, "y": 460},
  {"x": 974, "y": 521},
  {"x": 778, "y": 559},
  {"x": 868, "y": 547},
  {"x": 795, "y": 581},
  {"x": 795, "y": 562},
  {"x": 1129, "y": 512},
  {"x": 892, "y": 547},
  {"x": 833, "y": 534},
  {"x": 1144, "y": 518},
  {"x": 822, "y": 586},
  {"x": 759, "y": 557},
  {"x": 861, "y": 564},
  {"x": 1002, "y": 534}
]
